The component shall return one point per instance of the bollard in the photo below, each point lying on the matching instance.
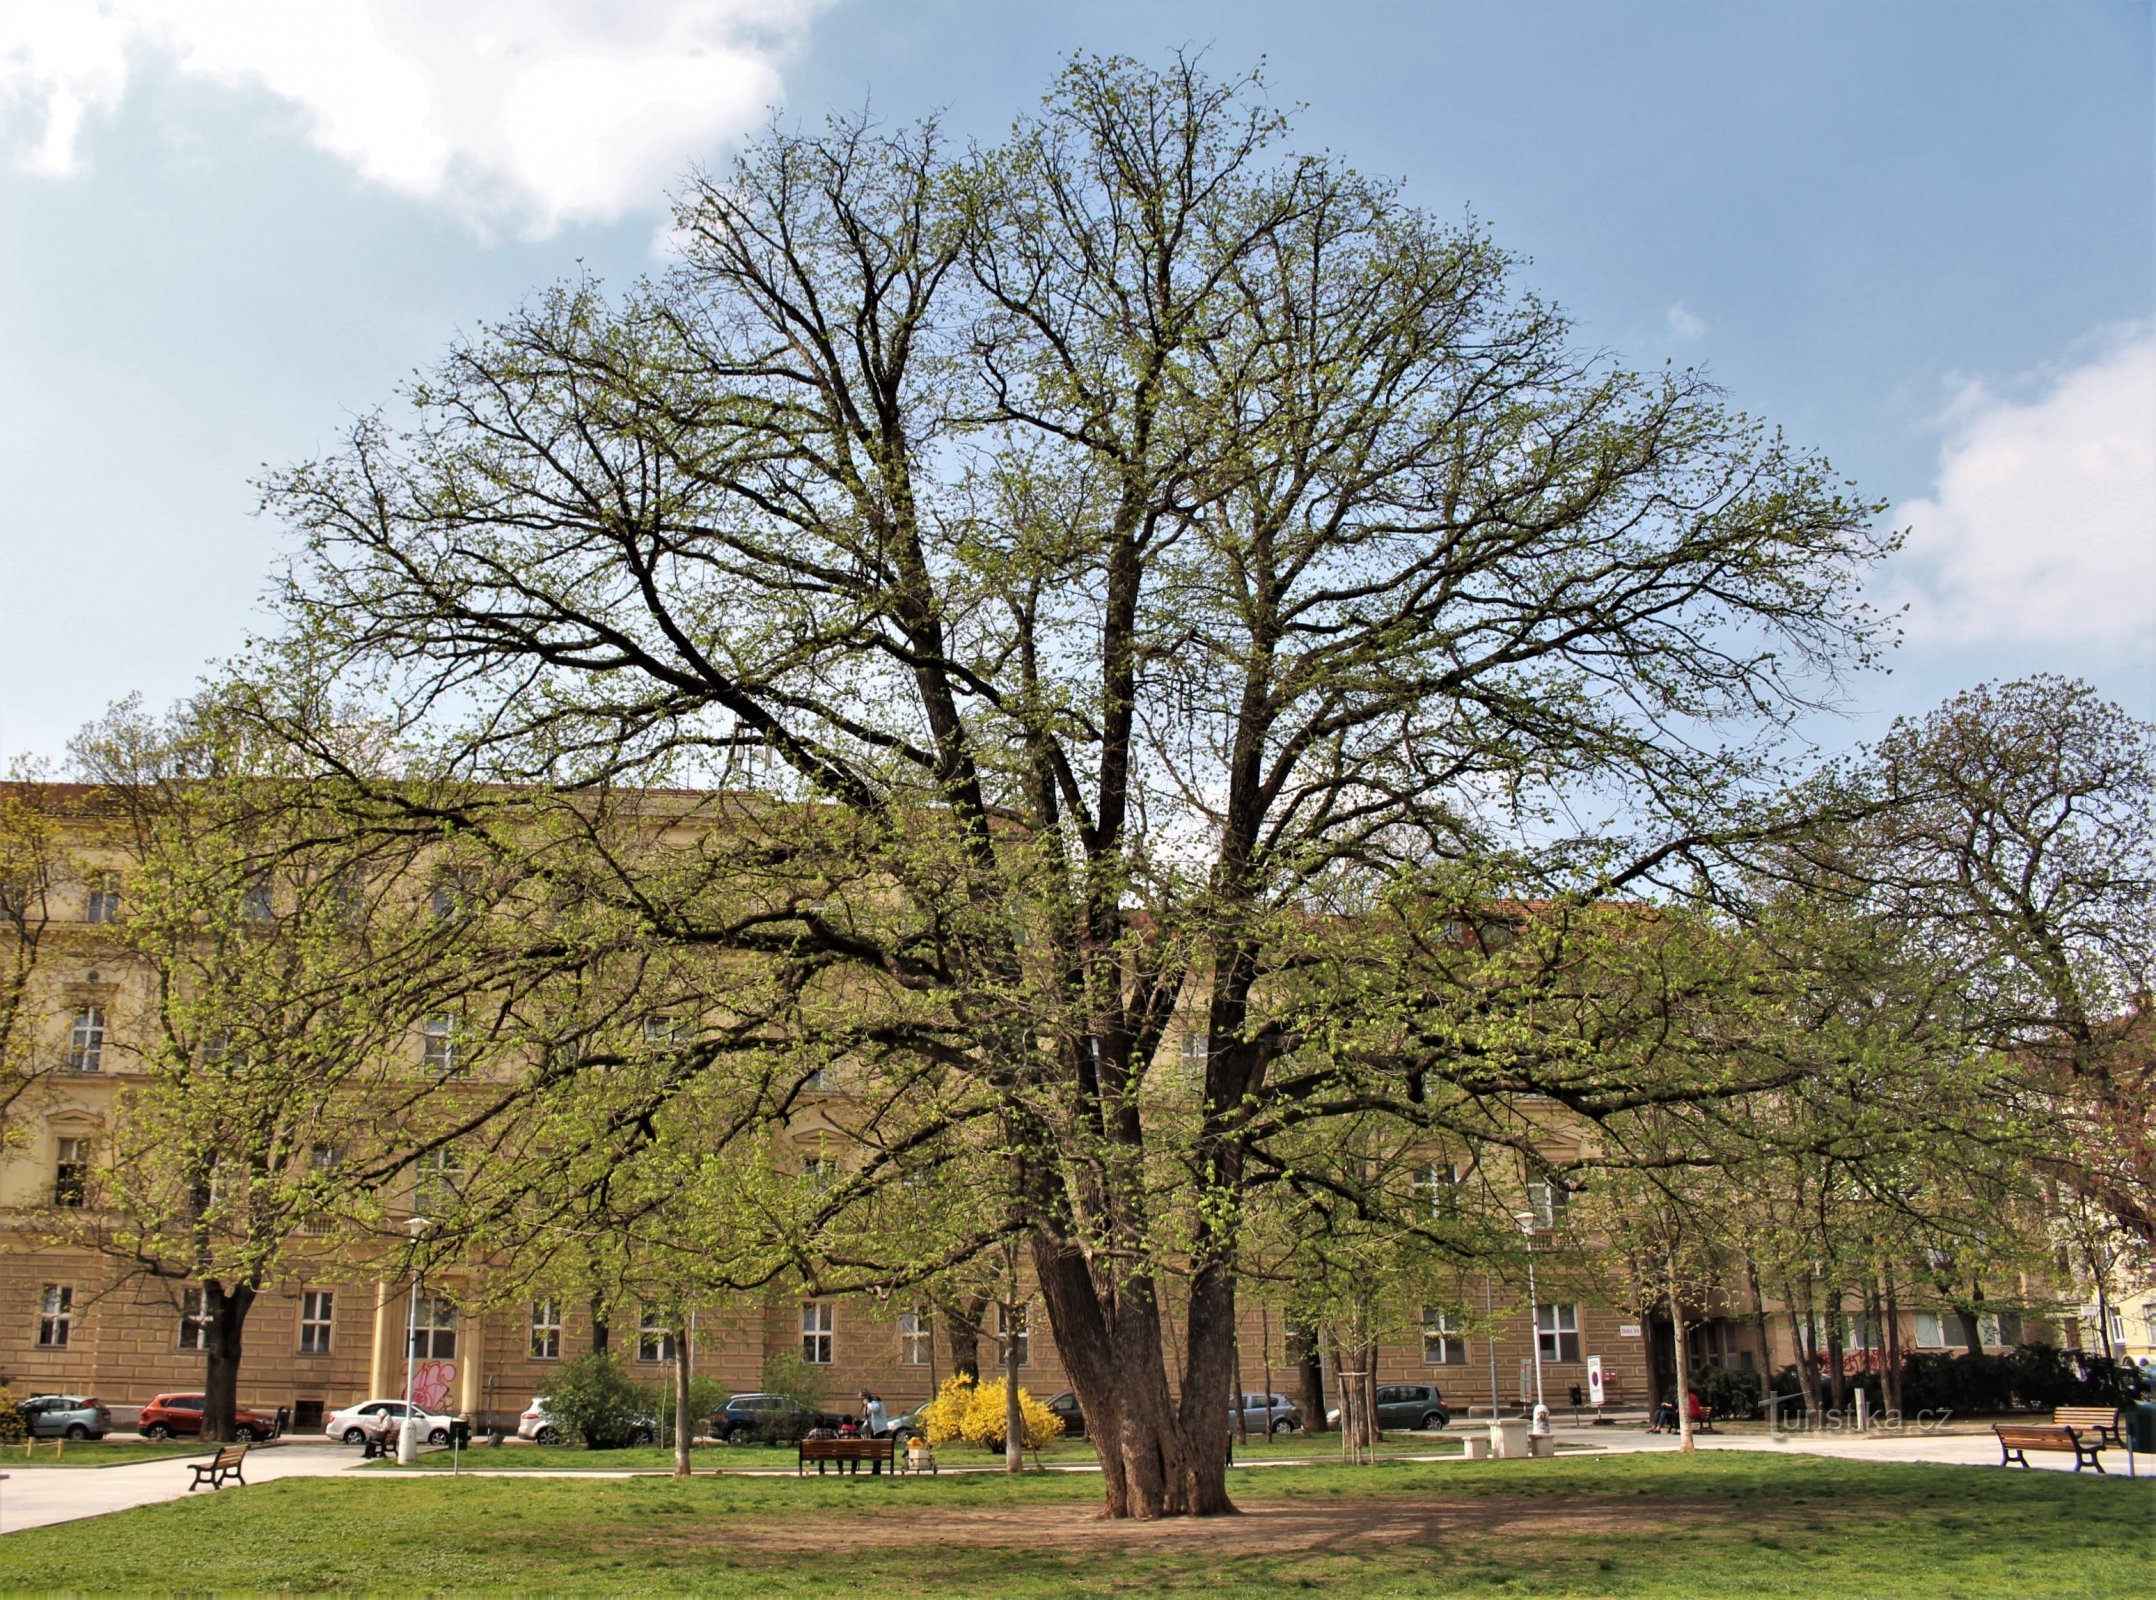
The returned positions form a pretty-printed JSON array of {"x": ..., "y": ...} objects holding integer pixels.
[{"x": 1864, "y": 1410}]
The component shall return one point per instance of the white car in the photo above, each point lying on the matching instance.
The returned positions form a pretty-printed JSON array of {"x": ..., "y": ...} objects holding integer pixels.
[
  {"x": 354, "y": 1424},
  {"x": 540, "y": 1428},
  {"x": 536, "y": 1425}
]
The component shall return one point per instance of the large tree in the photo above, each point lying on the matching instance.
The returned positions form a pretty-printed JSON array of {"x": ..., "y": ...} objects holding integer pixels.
[{"x": 1111, "y": 544}]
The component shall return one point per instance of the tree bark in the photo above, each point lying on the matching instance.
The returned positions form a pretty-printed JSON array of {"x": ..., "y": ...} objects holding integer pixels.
[
  {"x": 225, "y": 1314},
  {"x": 1154, "y": 1462},
  {"x": 1684, "y": 1360},
  {"x": 600, "y": 1334},
  {"x": 684, "y": 1424},
  {"x": 1310, "y": 1371},
  {"x": 962, "y": 1323},
  {"x": 1890, "y": 1340}
]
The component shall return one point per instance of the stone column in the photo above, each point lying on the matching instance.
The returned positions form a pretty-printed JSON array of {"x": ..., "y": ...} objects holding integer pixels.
[{"x": 387, "y": 1369}]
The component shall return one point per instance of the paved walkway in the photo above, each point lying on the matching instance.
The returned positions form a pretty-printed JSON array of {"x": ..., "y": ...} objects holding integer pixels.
[{"x": 32, "y": 1497}]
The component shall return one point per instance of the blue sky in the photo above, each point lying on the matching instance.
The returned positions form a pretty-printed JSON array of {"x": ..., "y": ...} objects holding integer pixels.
[{"x": 1921, "y": 238}]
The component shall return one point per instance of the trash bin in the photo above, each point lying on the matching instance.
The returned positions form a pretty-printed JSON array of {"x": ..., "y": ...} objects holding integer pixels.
[
  {"x": 460, "y": 1434},
  {"x": 2140, "y": 1421}
]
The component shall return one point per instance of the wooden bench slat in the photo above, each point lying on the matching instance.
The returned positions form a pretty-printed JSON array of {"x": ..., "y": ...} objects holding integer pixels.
[
  {"x": 2015, "y": 1439},
  {"x": 227, "y": 1463},
  {"x": 847, "y": 1452}
]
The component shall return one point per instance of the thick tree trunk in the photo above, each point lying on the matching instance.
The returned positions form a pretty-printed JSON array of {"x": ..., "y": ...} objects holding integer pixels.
[
  {"x": 1154, "y": 1462},
  {"x": 962, "y": 1323},
  {"x": 1760, "y": 1328},
  {"x": 600, "y": 1334},
  {"x": 225, "y": 1313}
]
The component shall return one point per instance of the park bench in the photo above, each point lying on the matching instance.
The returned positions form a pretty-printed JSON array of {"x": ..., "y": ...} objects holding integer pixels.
[
  {"x": 2017, "y": 1439},
  {"x": 848, "y": 1453},
  {"x": 225, "y": 1464},
  {"x": 2100, "y": 1421}
]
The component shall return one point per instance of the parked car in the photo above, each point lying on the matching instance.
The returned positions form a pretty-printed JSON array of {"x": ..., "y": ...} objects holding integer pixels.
[
  {"x": 536, "y": 1425},
  {"x": 181, "y": 1414},
  {"x": 1405, "y": 1405},
  {"x": 905, "y": 1426},
  {"x": 1269, "y": 1413},
  {"x": 65, "y": 1416},
  {"x": 354, "y": 1423},
  {"x": 777, "y": 1417},
  {"x": 1065, "y": 1405}
]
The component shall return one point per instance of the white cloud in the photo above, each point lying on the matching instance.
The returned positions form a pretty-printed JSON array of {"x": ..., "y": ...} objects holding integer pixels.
[
  {"x": 2041, "y": 525},
  {"x": 1684, "y": 323},
  {"x": 529, "y": 113}
]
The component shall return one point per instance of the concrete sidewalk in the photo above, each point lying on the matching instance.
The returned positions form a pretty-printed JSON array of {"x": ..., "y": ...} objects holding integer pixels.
[{"x": 33, "y": 1496}]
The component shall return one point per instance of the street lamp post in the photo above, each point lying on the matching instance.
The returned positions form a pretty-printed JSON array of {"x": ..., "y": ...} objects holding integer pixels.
[
  {"x": 408, "y": 1435},
  {"x": 1534, "y": 1309}
]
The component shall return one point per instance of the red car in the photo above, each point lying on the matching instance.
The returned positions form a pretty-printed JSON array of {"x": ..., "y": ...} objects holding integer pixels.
[{"x": 171, "y": 1414}]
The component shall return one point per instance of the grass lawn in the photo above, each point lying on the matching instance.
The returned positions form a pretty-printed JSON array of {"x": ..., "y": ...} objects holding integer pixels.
[
  {"x": 1716, "y": 1524},
  {"x": 98, "y": 1452}
]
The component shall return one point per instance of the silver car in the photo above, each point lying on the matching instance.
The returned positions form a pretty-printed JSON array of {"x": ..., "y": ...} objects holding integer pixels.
[
  {"x": 1269, "y": 1413},
  {"x": 65, "y": 1416}
]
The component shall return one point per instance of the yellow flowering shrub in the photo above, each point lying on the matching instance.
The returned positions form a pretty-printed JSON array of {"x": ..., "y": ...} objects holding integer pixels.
[{"x": 973, "y": 1413}]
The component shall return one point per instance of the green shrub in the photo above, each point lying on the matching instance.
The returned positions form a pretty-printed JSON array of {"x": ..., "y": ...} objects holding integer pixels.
[
  {"x": 13, "y": 1430},
  {"x": 593, "y": 1400},
  {"x": 1728, "y": 1393}
]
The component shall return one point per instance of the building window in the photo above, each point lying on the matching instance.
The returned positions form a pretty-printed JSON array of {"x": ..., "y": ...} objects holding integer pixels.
[
  {"x": 434, "y": 1328},
  {"x": 914, "y": 1338},
  {"x": 1015, "y": 1324},
  {"x": 1197, "y": 1046},
  {"x": 546, "y": 1330},
  {"x": 104, "y": 903},
  {"x": 323, "y": 1157},
  {"x": 1998, "y": 1329},
  {"x": 1548, "y": 1201},
  {"x": 454, "y": 894},
  {"x": 194, "y": 1321},
  {"x": 1437, "y": 1189},
  {"x": 1860, "y": 1332},
  {"x": 665, "y": 1032},
  {"x": 438, "y": 1052},
  {"x": 1928, "y": 1330},
  {"x": 258, "y": 903},
  {"x": 55, "y": 1316},
  {"x": 70, "y": 1172},
  {"x": 86, "y": 1041},
  {"x": 315, "y": 1307},
  {"x": 821, "y": 1080},
  {"x": 816, "y": 1339},
  {"x": 654, "y": 1339},
  {"x": 819, "y": 1171},
  {"x": 438, "y": 1178},
  {"x": 1442, "y": 1342},
  {"x": 1557, "y": 1332}
]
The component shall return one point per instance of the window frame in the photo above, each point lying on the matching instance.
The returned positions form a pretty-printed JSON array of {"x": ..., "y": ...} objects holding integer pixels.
[
  {"x": 916, "y": 1339},
  {"x": 70, "y": 1171},
  {"x": 1564, "y": 1326},
  {"x": 86, "y": 1039},
  {"x": 428, "y": 1332},
  {"x": 55, "y": 1316},
  {"x": 545, "y": 1330},
  {"x": 438, "y": 1045},
  {"x": 654, "y": 1340},
  {"x": 317, "y": 1321},
  {"x": 819, "y": 1333},
  {"x": 1450, "y": 1341},
  {"x": 101, "y": 902},
  {"x": 194, "y": 1332}
]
